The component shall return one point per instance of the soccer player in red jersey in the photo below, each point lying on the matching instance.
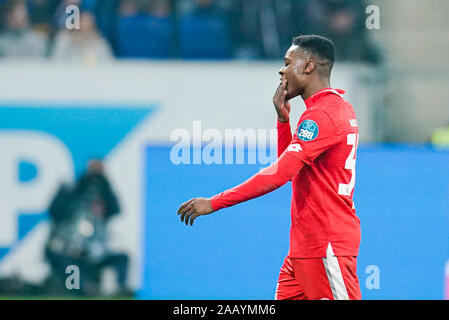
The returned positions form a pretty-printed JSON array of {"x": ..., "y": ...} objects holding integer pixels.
[{"x": 319, "y": 160}]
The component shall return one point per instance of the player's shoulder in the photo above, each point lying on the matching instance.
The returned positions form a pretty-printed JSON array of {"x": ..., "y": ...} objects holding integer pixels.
[
  {"x": 336, "y": 108},
  {"x": 329, "y": 100},
  {"x": 316, "y": 113}
]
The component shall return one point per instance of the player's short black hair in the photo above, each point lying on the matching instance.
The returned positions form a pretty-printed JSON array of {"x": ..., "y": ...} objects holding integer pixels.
[{"x": 321, "y": 47}]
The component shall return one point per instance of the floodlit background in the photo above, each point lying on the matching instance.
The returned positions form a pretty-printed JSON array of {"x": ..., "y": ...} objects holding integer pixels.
[{"x": 89, "y": 117}]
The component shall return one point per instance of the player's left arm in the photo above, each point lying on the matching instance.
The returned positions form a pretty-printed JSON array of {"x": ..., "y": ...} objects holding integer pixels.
[
  {"x": 284, "y": 136},
  {"x": 282, "y": 107}
]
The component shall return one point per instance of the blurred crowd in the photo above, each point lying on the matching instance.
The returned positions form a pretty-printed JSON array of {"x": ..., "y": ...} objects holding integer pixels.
[{"x": 180, "y": 29}]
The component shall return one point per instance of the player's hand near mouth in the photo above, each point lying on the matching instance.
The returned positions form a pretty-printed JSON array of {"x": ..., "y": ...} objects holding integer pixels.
[
  {"x": 282, "y": 106},
  {"x": 196, "y": 207}
]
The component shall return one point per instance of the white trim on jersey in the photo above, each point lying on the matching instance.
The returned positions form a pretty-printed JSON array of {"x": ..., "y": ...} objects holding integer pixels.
[
  {"x": 353, "y": 123},
  {"x": 328, "y": 90},
  {"x": 276, "y": 292},
  {"x": 333, "y": 91},
  {"x": 334, "y": 275}
]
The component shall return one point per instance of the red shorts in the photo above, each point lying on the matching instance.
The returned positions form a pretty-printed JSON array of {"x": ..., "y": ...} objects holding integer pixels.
[{"x": 332, "y": 277}]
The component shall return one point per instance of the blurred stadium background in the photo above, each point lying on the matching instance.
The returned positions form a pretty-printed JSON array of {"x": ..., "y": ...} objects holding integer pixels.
[{"x": 86, "y": 129}]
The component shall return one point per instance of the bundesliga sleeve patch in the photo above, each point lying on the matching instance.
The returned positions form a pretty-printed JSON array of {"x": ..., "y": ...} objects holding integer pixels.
[{"x": 307, "y": 130}]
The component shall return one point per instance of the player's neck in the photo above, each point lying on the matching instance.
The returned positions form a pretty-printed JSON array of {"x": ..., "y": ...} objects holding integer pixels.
[{"x": 314, "y": 87}]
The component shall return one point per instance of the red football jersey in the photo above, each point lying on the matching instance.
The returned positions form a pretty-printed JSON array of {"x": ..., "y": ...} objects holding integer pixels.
[
  {"x": 322, "y": 208},
  {"x": 320, "y": 162}
]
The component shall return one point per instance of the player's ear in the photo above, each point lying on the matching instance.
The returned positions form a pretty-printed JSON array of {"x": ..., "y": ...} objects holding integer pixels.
[{"x": 309, "y": 66}]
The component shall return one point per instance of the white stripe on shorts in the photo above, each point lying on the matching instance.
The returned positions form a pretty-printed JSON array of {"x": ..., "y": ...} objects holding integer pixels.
[
  {"x": 334, "y": 275},
  {"x": 276, "y": 292}
]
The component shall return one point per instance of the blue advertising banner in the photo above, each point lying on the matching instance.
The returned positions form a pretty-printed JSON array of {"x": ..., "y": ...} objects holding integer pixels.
[
  {"x": 43, "y": 146},
  {"x": 401, "y": 197}
]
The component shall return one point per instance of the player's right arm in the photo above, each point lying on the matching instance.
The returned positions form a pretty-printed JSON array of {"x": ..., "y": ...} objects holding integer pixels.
[
  {"x": 283, "y": 122},
  {"x": 316, "y": 133},
  {"x": 265, "y": 181}
]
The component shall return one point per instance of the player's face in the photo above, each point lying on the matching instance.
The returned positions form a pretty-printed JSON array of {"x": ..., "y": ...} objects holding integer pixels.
[{"x": 293, "y": 72}]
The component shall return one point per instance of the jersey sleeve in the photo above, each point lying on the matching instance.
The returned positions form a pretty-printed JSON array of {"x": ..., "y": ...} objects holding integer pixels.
[
  {"x": 315, "y": 133},
  {"x": 265, "y": 181},
  {"x": 284, "y": 136}
]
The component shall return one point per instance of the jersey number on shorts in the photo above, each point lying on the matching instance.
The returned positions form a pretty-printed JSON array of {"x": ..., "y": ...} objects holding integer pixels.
[{"x": 346, "y": 189}]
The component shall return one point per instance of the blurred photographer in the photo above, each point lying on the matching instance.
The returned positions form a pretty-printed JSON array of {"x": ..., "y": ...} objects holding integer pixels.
[{"x": 79, "y": 217}]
